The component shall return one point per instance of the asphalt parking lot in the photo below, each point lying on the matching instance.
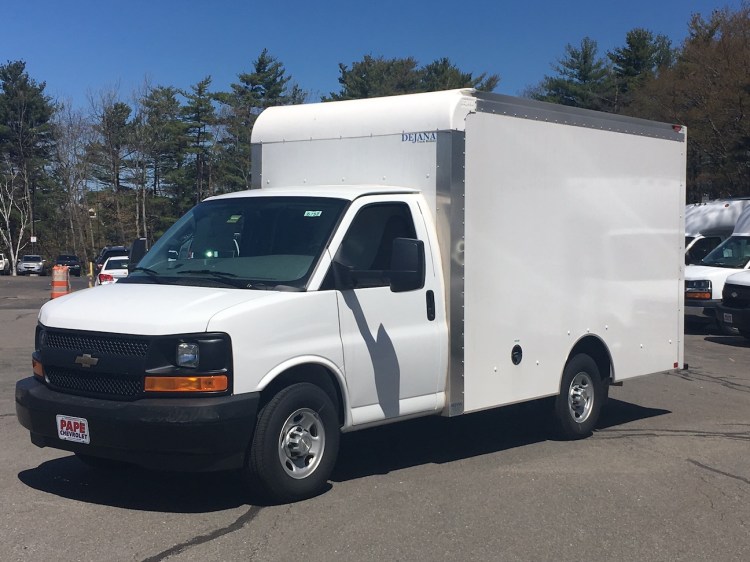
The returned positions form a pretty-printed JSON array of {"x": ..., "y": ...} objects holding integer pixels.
[{"x": 665, "y": 477}]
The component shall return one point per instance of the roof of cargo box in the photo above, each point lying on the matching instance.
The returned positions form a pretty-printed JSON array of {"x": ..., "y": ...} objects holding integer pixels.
[
  {"x": 714, "y": 216},
  {"x": 431, "y": 111}
]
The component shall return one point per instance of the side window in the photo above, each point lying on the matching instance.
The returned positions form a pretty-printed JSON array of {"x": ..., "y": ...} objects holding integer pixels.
[
  {"x": 701, "y": 249},
  {"x": 368, "y": 243}
]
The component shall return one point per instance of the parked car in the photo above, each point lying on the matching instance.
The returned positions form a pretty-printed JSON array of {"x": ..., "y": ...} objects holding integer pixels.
[
  {"x": 4, "y": 265},
  {"x": 113, "y": 269},
  {"x": 73, "y": 263},
  {"x": 106, "y": 253},
  {"x": 31, "y": 263}
]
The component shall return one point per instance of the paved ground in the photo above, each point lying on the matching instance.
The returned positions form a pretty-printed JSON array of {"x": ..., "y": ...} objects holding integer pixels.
[{"x": 666, "y": 477}]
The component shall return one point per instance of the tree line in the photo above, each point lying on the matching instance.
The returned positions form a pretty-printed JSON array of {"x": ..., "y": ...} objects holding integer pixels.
[
  {"x": 704, "y": 85},
  {"x": 76, "y": 180}
]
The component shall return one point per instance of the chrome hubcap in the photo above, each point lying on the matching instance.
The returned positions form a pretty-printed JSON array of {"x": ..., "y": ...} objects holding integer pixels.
[
  {"x": 581, "y": 397},
  {"x": 301, "y": 443}
]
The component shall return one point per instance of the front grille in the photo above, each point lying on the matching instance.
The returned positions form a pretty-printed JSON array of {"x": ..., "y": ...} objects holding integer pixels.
[
  {"x": 105, "y": 385},
  {"x": 742, "y": 298},
  {"x": 105, "y": 345}
]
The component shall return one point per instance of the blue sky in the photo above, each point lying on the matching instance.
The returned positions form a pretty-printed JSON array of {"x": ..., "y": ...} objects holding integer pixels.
[{"x": 83, "y": 47}]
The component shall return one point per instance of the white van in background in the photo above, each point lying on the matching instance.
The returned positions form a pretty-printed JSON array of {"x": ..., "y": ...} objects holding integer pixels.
[
  {"x": 708, "y": 224},
  {"x": 704, "y": 281}
]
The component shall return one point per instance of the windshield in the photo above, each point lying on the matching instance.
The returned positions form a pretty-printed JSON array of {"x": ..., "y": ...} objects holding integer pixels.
[
  {"x": 32, "y": 258},
  {"x": 243, "y": 242},
  {"x": 734, "y": 252}
]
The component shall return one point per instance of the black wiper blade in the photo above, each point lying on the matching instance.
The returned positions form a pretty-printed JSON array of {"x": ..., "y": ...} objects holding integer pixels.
[
  {"x": 147, "y": 270},
  {"x": 223, "y": 276},
  {"x": 207, "y": 272}
]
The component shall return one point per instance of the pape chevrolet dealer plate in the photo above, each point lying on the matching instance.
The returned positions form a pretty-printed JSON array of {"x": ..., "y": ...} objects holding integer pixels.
[{"x": 73, "y": 429}]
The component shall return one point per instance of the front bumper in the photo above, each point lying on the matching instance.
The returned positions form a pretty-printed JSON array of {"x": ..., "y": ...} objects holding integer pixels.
[
  {"x": 187, "y": 434},
  {"x": 701, "y": 309},
  {"x": 733, "y": 317}
]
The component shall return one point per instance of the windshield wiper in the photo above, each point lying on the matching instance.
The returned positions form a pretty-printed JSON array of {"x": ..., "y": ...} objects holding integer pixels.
[
  {"x": 721, "y": 264},
  {"x": 148, "y": 270},
  {"x": 208, "y": 272},
  {"x": 152, "y": 274},
  {"x": 225, "y": 277}
]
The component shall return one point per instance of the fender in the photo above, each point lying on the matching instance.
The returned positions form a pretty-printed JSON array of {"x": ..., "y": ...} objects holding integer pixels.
[{"x": 312, "y": 360}]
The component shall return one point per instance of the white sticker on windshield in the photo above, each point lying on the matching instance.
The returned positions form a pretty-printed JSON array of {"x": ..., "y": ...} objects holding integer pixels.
[{"x": 313, "y": 213}]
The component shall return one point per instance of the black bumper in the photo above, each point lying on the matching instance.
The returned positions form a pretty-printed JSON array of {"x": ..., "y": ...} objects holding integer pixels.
[
  {"x": 740, "y": 317},
  {"x": 189, "y": 434}
]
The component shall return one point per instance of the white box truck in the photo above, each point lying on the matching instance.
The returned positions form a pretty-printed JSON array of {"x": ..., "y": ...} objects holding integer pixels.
[{"x": 430, "y": 254}]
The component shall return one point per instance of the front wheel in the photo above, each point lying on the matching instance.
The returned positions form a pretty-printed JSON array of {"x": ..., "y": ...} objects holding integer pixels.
[
  {"x": 582, "y": 394},
  {"x": 295, "y": 444}
]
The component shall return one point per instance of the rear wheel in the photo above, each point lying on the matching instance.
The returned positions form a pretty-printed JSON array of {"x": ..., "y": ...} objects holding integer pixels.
[
  {"x": 295, "y": 444},
  {"x": 582, "y": 394}
]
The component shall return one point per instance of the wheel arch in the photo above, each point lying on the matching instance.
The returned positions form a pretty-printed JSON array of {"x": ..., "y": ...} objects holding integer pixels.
[
  {"x": 594, "y": 347},
  {"x": 314, "y": 370}
]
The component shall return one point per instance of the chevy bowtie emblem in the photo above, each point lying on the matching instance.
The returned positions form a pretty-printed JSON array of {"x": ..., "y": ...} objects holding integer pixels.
[
  {"x": 86, "y": 360},
  {"x": 734, "y": 294}
]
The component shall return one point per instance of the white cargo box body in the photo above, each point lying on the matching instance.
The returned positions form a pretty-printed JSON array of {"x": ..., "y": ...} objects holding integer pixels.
[{"x": 553, "y": 225}]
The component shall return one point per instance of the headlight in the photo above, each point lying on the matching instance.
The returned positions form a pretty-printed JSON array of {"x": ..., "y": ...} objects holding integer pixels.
[
  {"x": 698, "y": 285},
  {"x": 698, "y": 289},
  {"x": 187, "y": 355}
]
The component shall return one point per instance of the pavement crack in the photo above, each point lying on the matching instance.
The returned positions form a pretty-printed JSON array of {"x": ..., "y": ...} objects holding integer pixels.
[
  {"x": 612, "y": 433},
  {"x": 240, "y": 522},
  {"x": 695, "y": 375},
  {"x": 717, "y": 471}
]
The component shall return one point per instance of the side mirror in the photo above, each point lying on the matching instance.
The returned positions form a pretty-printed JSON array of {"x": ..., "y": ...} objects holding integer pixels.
[
  {"x": 407, "y": 265},
  {"x": 137, "y": 251}
]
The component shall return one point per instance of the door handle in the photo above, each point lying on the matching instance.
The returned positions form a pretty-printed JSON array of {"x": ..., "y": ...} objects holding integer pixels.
[{"x": 430, "y": 306}]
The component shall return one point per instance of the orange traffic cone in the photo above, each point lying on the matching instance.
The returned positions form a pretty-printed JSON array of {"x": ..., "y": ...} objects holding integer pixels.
[{"x": 60, "y": 281}]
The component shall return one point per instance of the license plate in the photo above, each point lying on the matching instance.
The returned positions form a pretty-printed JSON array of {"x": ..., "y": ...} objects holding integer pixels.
[
  {"x": 73, "y": 429},
  {"x": 727, "y": 318}
]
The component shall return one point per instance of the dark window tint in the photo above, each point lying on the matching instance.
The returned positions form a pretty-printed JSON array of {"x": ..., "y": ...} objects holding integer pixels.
[
  {"x": 368, "y": 243},
  {"x": 701, "y": 249}
]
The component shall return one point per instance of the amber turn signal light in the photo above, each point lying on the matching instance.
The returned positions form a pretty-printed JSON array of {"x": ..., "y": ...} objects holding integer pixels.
[
  {"x": 702, "y": 296},
  {"x": 207, "y": 383},
  {"x": 38, "y": 368}
]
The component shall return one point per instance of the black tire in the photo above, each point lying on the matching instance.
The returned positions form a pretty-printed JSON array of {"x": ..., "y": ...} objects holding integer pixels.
[
  {"x": 100, "y": 463},
  {"x": 581, "y": 397},
  {"x": 295, "y": 444}
]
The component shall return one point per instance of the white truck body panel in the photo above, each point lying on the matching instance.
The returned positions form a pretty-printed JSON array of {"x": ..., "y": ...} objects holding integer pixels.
[{"x": 599, "y": 199}]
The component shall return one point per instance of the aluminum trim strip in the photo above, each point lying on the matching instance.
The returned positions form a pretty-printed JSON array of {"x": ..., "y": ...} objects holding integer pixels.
[
  {"x": 554, "y": 113},
  {"x": 450, "y": 186}
]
